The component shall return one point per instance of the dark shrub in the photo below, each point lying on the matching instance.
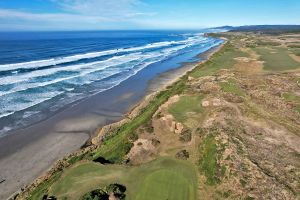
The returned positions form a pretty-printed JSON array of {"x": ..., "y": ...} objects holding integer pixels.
[
  {"x": 155, "y": 142},
  {"x": 133, "y": 137},
  {"x": 46, "y": 197},
  {"x": 95, "y": 195},
  {"x": 117, "y": 189},
  {"x": 183, "y": 155},
  {"x": 102, "y": 161},
  {"x": 186, "y": 136}
]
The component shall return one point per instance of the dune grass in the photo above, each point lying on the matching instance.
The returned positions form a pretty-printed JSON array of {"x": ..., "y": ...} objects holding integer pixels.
[
  {"x": 231, "y": 87},
  {"x": 164, "y": 178},
  {"x": 186, "y": 104},
  {"x": 276, "y": 59}
]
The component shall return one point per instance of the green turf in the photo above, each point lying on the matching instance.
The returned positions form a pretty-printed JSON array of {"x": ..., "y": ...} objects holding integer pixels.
[
  {"x": 224, "y": 59},
  {"x": 162, "y": 185},
  {"x": 231, "y": 87},
  {"x": 164, "y": 178},
  {"x": 276, "y": 59},
  {"x": 186, "y": 104}
]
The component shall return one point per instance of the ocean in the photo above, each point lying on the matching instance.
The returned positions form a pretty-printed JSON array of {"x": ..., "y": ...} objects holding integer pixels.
[{"x": 42, "y": 72}]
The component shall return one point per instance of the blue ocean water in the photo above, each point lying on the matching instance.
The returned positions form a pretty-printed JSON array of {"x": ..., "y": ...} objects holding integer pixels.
[{"x": 39, "y": 70}]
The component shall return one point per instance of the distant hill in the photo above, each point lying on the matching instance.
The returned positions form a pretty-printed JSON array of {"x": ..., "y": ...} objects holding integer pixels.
[{"x": 265, "y": 29}]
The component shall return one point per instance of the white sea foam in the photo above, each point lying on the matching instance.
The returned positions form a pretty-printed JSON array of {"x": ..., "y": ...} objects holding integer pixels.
[
  {"x": 9, "y": 109},
  {"x": 83, "y": 70},
  {"x": 47, "y": 72},
  {"x": 131, "y": 64},
  {"x": 67, "y": 59}
]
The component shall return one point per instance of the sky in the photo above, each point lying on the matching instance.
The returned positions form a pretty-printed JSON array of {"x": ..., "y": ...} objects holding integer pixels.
[{"x": 23, "y": 15}]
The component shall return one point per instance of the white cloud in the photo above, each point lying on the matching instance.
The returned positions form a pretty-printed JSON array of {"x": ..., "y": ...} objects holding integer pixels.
[
  {"x": 116, "y": 9},
  {"x": 50, "y": 17},
  {"x": 20, "y": 20},
  {"x": 79, "y": 14}
]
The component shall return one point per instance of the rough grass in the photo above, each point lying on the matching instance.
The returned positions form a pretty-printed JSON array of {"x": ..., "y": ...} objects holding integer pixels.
[
  {"x": 231, "y": 87},
  {"x": 208, "y": 161},
  {"x": 186, "y": 104},
  {"x": 276, "y": 59},
  {"x": 164, "y": 178},
  {"x": 224, "y": 59}
]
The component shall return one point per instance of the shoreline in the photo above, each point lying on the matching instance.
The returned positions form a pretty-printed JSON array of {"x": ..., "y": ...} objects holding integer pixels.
[{"x": 164, "y": 79}]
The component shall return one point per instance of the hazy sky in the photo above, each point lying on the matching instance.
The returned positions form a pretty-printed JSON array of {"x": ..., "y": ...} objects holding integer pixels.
[{"x": 143, "y": 14}]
